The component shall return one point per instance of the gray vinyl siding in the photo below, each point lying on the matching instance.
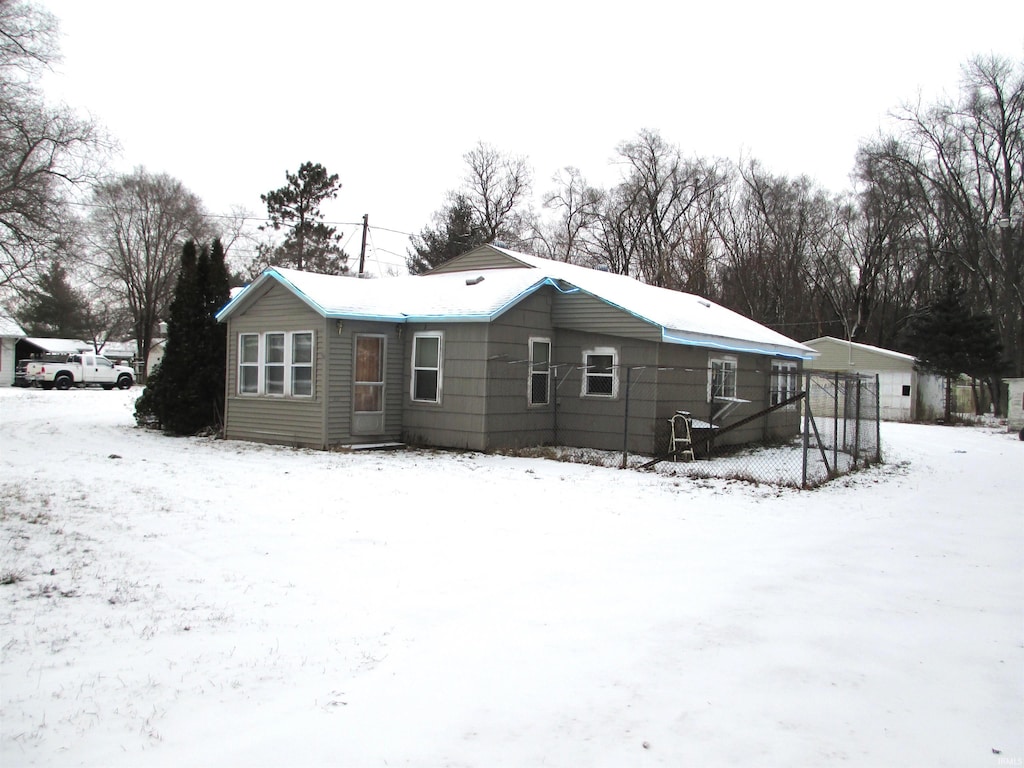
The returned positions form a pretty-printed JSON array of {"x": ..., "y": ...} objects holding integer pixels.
[
  {"x": 599, "y": 422},
  {"x": 482, "y": 258},
  {"x": 282, "y": 420},
  {"x": 458, "y": 420},
  {"x": 583, "y": 312},
  {"x": 511, "y": 421},
  {"x": 340, "y": 371}
]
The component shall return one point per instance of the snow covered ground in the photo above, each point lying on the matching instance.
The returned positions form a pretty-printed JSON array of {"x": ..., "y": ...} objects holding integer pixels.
[{"x": 177, "y": 602}]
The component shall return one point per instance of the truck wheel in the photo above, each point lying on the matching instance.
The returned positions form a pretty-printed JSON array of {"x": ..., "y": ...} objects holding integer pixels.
[
  {"x": 124, "y": 382},
  {"x": 63, "y": 381}
]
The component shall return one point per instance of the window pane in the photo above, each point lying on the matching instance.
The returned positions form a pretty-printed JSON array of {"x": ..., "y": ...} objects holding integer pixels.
[
  {"x": 539, "y": 389},
  {"x": 250, "y": 376},
  {"x": 368, "y": 397},
  {"x": 599, "y": 364},
  {"x": 250, "y": 348},
  {"x": 302, "y": 380},
  {"x": 275, "y": 379},
  {"x": 369, "y": 358},
  {"x": 541, "y": 355},
  {"x": 599, "y": 385},
  {"x": 275, "y": 347},
  {"x": 427, "y": 348},
  {"x": 302, "y": 348},
  {"x": 425, "y": 385}
]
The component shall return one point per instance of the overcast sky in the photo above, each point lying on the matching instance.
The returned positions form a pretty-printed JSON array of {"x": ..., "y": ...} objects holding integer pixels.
[{"x": 227, "y": 96}]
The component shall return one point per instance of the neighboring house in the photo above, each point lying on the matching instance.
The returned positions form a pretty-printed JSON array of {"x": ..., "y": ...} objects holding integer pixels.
[
  {"x": 494, "y": 349},
  {"x": 157, "y": 348},
  {"x": 905, "y": 394},
  {"x": 10, "y": 333}
]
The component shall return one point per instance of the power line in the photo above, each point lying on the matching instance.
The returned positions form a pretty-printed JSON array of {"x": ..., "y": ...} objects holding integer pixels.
[{"x": 251, "y": 217}]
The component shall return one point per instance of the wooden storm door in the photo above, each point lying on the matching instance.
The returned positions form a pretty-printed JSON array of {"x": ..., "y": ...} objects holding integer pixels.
[{"x": 368, "y": 386}]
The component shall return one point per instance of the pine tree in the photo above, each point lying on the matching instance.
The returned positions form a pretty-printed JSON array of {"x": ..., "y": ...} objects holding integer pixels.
[
  {"x": 949, "y": 340},
  {"x": 311, "y": 244},
  {"x": 54, "y": 307},
  {"x": 185, "y": 395},
  {"x": 455, "y": 232}
]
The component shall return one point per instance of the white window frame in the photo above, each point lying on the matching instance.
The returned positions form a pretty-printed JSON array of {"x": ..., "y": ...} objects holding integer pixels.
[
  {"x": 784, "y": 382},
  {"x": 300, "y": 365},
  {"x": 539, "y": 369},
  {"x": 726, "y": 363},
  {"x": 439, "y": 335},
  {"x": 248, "y": 364},
  {"x": 587, "y": 374},
  {"x": 288, "y": 366}
]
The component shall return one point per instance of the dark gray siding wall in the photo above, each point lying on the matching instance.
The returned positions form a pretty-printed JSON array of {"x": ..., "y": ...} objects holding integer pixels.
[
  {"x": 281, "y": 420},
  {"x": 600, "y": 422},
  {"x": 511, "y": 421},
  {"x": 683, "y": 385},
  {"x": 340, "y": 371},
  {"x": 458, "y": 420}
]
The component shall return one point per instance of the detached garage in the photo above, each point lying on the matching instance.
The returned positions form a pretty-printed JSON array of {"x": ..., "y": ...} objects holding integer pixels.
[{"x": 905, "y": 393}]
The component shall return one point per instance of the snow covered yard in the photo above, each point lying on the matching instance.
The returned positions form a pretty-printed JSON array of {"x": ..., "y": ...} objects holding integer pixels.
[{"x": 203, "y": 602}]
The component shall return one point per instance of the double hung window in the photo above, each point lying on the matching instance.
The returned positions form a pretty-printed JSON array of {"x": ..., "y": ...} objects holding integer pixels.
[
  {"x": 784, "y": 381},
  {"x": 426, "y": 367},
  {"x": 540, "y": 371},
  {"x": 600, "y": 378},
  {"x": 721, "y": 377},
  {"x": 276, "y": 363}
]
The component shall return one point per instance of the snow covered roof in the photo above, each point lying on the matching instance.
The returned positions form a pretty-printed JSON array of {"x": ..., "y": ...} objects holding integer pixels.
[
  {"x": 480, "y": 295},
  {"x": 685, "y": 318},
  {"x": 9, "y": 328},
  {"x": 814, "y": 343},
  {"x": 58, "y": 346}
]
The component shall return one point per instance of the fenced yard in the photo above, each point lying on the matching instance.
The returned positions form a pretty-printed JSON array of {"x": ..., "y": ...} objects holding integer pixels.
[{"x": 816, "y": 427}]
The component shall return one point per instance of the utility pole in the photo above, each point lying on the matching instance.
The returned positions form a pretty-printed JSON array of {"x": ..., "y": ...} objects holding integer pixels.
[{"x": 362, "y": 251}]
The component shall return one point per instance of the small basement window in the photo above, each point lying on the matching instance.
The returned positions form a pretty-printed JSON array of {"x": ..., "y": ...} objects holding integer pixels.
[{"x": 906, "y": 390}]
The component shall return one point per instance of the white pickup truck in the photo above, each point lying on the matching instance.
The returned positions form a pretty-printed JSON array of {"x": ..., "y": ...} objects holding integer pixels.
[{"x": 78, "y": 371}]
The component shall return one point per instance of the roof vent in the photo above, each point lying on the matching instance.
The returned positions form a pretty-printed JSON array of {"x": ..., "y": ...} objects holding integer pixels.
[
  {"x": 704, "y": 302},
  {"x": 474, "y": 280}
]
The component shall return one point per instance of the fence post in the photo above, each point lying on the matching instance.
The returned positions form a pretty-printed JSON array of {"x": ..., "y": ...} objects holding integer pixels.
[
  {"x": 807, "y": 426},
  {"x": 856, "y": 430},
  {"x": 878, "y": 419},
  {"x": 625, "y": 425},
  {"x": 835, "y": 422}
]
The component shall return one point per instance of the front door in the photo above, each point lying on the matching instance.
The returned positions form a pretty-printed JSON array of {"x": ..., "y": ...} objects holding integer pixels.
[{"x": 368, "y": 386}]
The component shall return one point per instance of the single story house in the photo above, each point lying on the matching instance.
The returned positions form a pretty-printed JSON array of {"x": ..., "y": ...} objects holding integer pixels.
[
  {"x": 905, "y": 394},
  {"x": 10, "y": 334},
  {"x": 493, "y": 350}
]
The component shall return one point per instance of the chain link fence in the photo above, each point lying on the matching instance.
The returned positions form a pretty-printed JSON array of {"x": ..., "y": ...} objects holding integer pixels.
[{"x": 772, "y": 425}]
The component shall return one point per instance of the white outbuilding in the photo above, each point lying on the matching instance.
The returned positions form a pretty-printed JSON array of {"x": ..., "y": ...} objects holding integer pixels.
[
  {"x": 905, "y": 394},
  {"x": 10, "y": 332},
  {"x": 1015, "y": 405}
]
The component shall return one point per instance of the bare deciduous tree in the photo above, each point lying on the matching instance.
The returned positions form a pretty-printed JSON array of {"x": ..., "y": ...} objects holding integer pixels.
[
  {"x": 497, "y": 186},
  {"x": 136, "y": 229},
  {"x": 578, "y": 208},
  {"x": 668, "y": 197},
  {"x": 43, "y": 150}
]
